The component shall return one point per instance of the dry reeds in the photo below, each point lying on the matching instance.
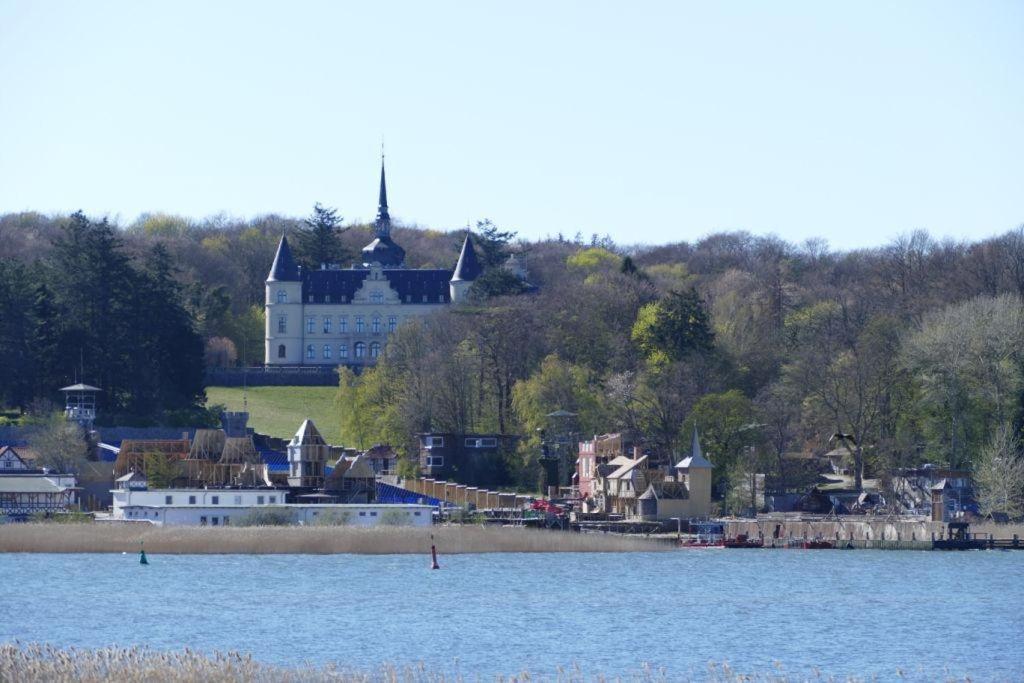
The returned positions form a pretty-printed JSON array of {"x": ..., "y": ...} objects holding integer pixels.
[
  {"x": 29, "y": 663},
  {"x": 311, "y": 540}
]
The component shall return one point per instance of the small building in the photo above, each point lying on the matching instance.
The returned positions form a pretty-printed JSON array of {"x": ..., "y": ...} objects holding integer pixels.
[
  {"x": 308, "y": 454},
  {"x": 470, "y": 459},
  {"x": 351, "y": 481},
  {"x": 694, "y": 471},
  {"x": 597, "y": 451},
  {"x": 382, "y": 459},
  {"x": 26, "y": 491}
]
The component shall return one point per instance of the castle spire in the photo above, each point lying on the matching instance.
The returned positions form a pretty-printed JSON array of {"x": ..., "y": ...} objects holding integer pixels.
[{"x": 383, "y": 222}]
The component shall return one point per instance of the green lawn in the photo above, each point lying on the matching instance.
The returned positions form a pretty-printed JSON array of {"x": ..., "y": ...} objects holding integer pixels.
[{"x": 278, "y": 411}]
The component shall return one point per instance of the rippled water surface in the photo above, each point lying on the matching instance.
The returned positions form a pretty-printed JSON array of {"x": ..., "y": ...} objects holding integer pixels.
[{"x": 859, "y": 613}]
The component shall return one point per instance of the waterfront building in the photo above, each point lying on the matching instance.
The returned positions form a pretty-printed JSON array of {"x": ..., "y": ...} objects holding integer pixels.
[
  {"x": 26, "y": 490},
  {"x": 471, "y": 459},
  {"x": 334, "y": 316},
  {"x": 223, "y": 507}
]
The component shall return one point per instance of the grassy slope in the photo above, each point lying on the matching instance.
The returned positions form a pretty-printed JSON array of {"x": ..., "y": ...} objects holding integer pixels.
[{"x": 278, "y": 411}]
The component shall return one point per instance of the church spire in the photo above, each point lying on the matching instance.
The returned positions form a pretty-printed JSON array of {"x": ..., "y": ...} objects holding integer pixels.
[{"x": 383, "y": 222}]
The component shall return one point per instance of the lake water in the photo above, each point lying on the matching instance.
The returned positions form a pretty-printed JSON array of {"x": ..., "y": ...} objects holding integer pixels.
[{"x": 859, "y": 613}]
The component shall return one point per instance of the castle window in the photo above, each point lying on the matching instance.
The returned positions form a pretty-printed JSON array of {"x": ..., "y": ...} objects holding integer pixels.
[
  {"x": 282, "y": 296},
  {"x": 360, "y": 349},
  {"x": 310, "y": 324},
  {"x": 375, "y": 325},
  {"x": 359, "y": 324},
  {"x": 374, "y": 349},
  {"x": 392, "y": 323},
  {"x": 327, "y": 324},
  {"x": 343, "y": 351},
  {"x": 327, "y": 350},
  {"x": 310, "y": 352},
  {"x": 377, "y": 297},
  {"x": 281, "y": 351},
  {"x": 343, "y": 324},
  {"x": 282, "y": 324}
]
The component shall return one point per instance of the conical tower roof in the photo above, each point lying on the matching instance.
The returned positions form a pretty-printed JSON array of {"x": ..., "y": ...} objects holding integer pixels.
[
  {"x": 308, "y": 435},
  {"x": 468, "y": 268},
  {"x": 696, "y": 459},
  {"x": 284, "y": 268}
]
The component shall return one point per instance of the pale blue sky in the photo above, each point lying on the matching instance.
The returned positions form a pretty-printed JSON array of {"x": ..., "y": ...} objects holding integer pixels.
[{"x": 651, "y": 122}]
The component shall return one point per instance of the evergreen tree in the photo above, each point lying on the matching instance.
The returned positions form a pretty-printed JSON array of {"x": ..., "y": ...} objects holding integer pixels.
[
  {"x": 492, "y": 243},
  {"x": 320, "y": 241}
]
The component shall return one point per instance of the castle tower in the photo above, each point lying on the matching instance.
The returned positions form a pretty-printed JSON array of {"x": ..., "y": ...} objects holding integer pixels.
[
  {"x": 284, "y": 309},
  {"x": 307, "y": 455},
  {"x": 466, "y": 271}
]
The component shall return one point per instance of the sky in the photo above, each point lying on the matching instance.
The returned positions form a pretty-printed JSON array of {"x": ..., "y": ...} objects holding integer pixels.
[{"x": 650, "y": 122}]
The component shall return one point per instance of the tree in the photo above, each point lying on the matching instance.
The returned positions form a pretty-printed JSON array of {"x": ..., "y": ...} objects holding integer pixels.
[
  {"x": 967, "y": 361},
  {"x": 320, "y": 242},
  {"x": 674, "y": 328},
  {"x": 61, "y": 445},
  {"x": 492, "y": 243},
  {"x": 999, "y": 474},
  {"x": 847, "y": 373},
  {"x": 728, "y": 426}
]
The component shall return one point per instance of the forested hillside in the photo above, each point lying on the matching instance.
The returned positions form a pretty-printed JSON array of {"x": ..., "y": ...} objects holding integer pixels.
[{"x": 915, "y": 348}]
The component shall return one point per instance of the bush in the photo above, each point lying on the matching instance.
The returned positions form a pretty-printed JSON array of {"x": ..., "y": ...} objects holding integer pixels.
[
  {"x": 269, "y": 516},
  {"x": 70, "y": 517},
  {"x": 333, "y": 518}
]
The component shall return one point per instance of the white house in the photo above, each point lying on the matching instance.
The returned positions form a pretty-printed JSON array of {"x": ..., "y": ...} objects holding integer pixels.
[
  {"x": 25, "y": 490},
  {"x": 218, "y": 507}
]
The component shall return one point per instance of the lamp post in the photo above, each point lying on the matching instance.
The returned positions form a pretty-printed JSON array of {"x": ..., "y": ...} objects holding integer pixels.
[{"x": 561, "y": 444}]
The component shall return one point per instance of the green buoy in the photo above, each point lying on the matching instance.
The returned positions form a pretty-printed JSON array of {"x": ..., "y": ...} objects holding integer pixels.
[{"x": 142, "y": 554}]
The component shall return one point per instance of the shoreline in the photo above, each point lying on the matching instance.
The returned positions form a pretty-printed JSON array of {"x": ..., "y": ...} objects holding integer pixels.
[{"x": 310, "y": 540}]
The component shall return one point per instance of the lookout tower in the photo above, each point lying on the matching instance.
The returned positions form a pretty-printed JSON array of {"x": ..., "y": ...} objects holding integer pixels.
[{"x": 80, "y": 404}]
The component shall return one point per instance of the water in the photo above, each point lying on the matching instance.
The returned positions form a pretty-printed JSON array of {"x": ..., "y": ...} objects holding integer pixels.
[{"x": 861, "y": 613}]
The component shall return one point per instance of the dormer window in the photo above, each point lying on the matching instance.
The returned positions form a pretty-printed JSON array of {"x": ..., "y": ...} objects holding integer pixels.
[
  {"x": 327, "y": 298},
  {"x": 310, "y": 298},
  {"x": 282, "y": 296},
  {"x": 377, "y": 297}
]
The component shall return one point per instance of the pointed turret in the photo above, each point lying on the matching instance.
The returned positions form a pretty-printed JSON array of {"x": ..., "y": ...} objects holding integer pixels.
[
  {"x": 468, "y": 268},
  {"x": 466, "y": 271},
  {"x": 696, "y": 459},
  {"x": 383, "y": 222},
  {"x": 308, "y": 435},
  {"x": 382, "y": 249},
  {"x": 284, "y": 268}
]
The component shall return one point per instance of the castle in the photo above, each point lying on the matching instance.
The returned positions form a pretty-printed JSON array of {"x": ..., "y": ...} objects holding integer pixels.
[{"x": 343, "y": 316}]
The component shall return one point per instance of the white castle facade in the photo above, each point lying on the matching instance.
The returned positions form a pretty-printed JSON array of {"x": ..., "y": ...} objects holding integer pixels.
[{"x": 343, "y": 316}]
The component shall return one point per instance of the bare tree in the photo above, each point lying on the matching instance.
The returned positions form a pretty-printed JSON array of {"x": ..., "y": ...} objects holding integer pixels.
[
  {"x": 999, "y": 474},
  {"x": 61, "y": 445}
]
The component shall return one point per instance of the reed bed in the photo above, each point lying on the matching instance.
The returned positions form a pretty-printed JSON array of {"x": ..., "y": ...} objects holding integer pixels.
[
  {"x": 29, "y": 663},
  {"x": 310, "y": 540}
]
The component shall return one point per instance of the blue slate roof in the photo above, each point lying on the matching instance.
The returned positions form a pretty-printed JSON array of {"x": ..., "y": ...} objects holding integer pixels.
[
  {"x": 410, "y": 284},
  {"x": 284, "y": 267}
]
